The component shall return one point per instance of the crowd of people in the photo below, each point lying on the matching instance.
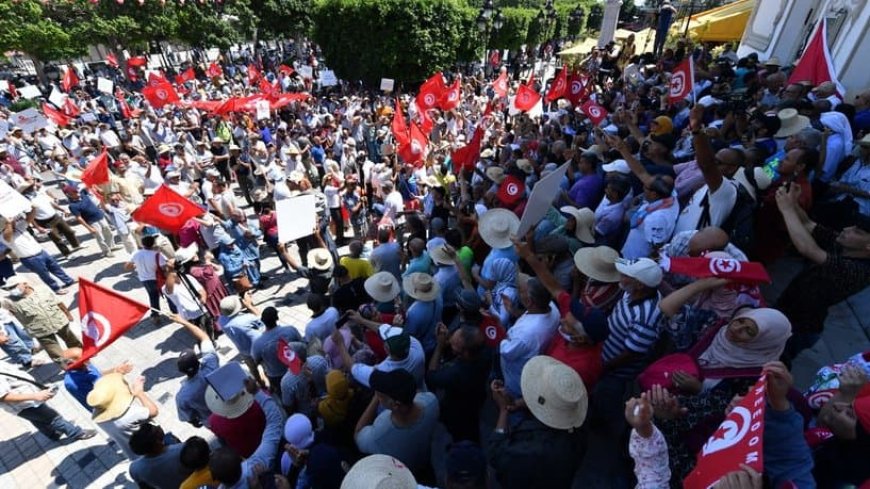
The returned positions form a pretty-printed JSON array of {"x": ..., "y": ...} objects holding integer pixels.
[{"x": 445, "y": 348}]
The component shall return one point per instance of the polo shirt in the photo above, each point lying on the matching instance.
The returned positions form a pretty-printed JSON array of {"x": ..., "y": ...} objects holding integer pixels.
[
  {"x": 357, "y": 267},
  {"x": 86, "y": 209},
  {"x": 80, "y": 382},
  {"x": 633, "y": 327}
]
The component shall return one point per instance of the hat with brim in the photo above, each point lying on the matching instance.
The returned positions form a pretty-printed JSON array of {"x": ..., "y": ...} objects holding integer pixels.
[
  {"x": 230, "y": 305},
  {"x": 791, "y": 123},
  {"x": 14, "y": 281},
  {"x": 379, "y": 472},
  {"x": 163, "y": 148},
  {"x": 554, "y": 393},
  {"x": 231, "y": 408},
  {"x": 382, "y": 287},
  {"x": 440, "y": 256},
  {"x": 526, "y": 166},
  {"x": 598, "y": 263},
  {"x": 320, "y": 259},
  {"x": 762, "y": 180},
  {"x": 421, "y": 286},
  {"x": 496, "y": 227},
  {"x": 495, "y": 173},
  {"x": 584, "y": 220},
  {"x": 644, "y": 270},
  {"x": 774, "y": 61},
  {"x": 110, "y": 397},
  {"x": 487, "y": 154},
  {"x": 184, "y": 255}
]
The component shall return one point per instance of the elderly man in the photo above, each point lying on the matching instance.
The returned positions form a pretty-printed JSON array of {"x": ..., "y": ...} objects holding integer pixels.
[{"x": 42, "y": 314}]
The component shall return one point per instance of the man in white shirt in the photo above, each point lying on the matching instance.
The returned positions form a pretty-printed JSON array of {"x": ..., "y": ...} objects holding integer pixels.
[
  {"x": 109, "y": 138},
  {"x": 34, "y": 258},
  {"x": 45, "y": 216},
  {"x": 394, "y": 205},
  {"x": 148, "y": 262}
]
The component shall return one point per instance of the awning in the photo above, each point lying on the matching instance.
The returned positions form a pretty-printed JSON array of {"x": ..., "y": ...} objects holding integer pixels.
[
  {"x": 583, "y": 47},
  {"x": 721, "y": 24}
]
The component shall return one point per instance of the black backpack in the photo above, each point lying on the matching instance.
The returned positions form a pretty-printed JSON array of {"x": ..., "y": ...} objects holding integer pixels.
[{"x": 740, "y": 223}]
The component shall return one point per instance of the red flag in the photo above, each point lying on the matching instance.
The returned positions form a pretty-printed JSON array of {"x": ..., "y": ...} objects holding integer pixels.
[
  {"x": 424, "y": 120},
  {"x": 282, "y": 99},
  {"x": 738, "y": 440},
  {"x": 160, "y": 95},
  {"x": 559, "y": 86},
  {"x": 495, "y": 57},
  {"x": 137, "y": 61},
  {"x": 70, "y": 79},
  {"x": 451, "y": 96},
  {"x": 253, "y": 74},
  {"x": 578, "y": 92},
  {"x": 268, "y": 89},
  {"x": 399, "y": 127},
  {"x": 166, "y": 210},
  {"x": 492, "y": 330},
  {"x": 12, "y": 91},
  {"x": 111, "y": 60},
  {"x": 105, "y": 316},
  {"x": 815, "y": 64},
  {"x": 286, "y": 70},
  {"x": 288, "y": 356},
  {"x": 97, "y": 171},
  {"x": 70, "y": 108},
  {"x": 466, "y": 156},
  {"x": 185, "y": 76},
  {"x": 745, "y": 272},
  {"x": 414, "y": 151},
  {"x": 214, "y": 70},
  {"x": 682, "y": 81},
  {"x": 511, "y": 190},
  {"x": 431, "y": 92},
  {"x": 122, "y": 104},
  {"x": 55, "y": 115},
  {"x": 526, "y": 98},
  {"x": 594, "y": 112},
  {"x": 155, "y": 79},
  {"x": 500, "y": 85},
  {"x": 132, "y": 73}
]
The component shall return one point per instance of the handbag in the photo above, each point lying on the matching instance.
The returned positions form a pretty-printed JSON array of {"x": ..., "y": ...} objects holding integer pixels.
[
  {"x": 242, "y": 283},
  {"x": 159, "y": 276}
]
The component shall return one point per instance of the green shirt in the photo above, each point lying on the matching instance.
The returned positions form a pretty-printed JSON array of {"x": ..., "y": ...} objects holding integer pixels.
[{"x": 38, "y": 312}]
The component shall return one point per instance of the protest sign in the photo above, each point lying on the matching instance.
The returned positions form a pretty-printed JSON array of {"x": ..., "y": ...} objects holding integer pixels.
[
  {"x": 29, "y": 120},
  {"x": 306, "y": 72},
  {"x": 57, "y": 98},
  {"x": 296, "y": 217},
  {"x": 12, "y": 203},
  {"x": 541, "y": 199},
  {"x": 387, "y": 84},
  {"x": 105, "y": 85},
  {"x": 328, "y": 79},
  {"x": 29, "y": 91},
  {"x": 262, "y": 109}
]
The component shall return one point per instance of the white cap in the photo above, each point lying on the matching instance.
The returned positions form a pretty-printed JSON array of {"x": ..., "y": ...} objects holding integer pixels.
[
  {"x": 644, "y": 270},
  {"x": 619, "y": 166}
]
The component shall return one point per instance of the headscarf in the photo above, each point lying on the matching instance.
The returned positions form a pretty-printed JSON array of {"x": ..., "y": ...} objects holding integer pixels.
[
  {"x": 299, "y": 433},
  {"x": 773, "y": 331},
  {"x": 333, "y": 409},
  {"x": 666, "y": 126},
  {"x": 839, "y": 124},
  {"x": 504, "y": 272}
]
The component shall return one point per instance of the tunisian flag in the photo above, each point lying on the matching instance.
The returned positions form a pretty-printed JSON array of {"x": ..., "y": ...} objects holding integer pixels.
[
  {"x": 450, "y": 97},
  {"x": 467, "y": 156},
  {"x": 744, "y": 272},
  {"x": 431, "y": 92},
  {"x": 166, "y": 210},
  {"x": 214, "y": 70},
  {"x": 500, "y": 85},
  {"x": 577, "y": 90},
  {"x": 288, "y": 356},
  {"x": 253, "y": 75},
  {"x": 682, "y": 81},
  {"x": 126, "y": 113},
  {"x": 137, "y": 61},
  {"x": 160, "y": 95},
  {"x": 112, "y": 60},
  {"x": 414, "y": 151},
  {"x": 492, "y": 330},
  {"x": 738, "y": 440},
  {"x": 70, "y": 108},
  {"x": 105, "y": 316},
  {"x": 58, "y": 117},
  {"x": 156, "y": 79},
  {"x": 527, "y": 98},
  {"x": 594, "y": 112},
  {"x": 70, "y": 79},
  {"x": 815, "y": 64},
  {"x": 559, "y": 86},
  {"x": 399, "y": 127},
  {"x": 97, "y": 171}
]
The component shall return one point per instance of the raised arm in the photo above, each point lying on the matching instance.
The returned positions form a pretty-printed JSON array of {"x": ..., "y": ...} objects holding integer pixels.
[
  {"x": 541, "y": 271},
  {"x": 671, "y": 304},
  {"x": 636, "y": 168},
  {"x": 799, "y": 231},
  {"x": 704, "y": 154}
]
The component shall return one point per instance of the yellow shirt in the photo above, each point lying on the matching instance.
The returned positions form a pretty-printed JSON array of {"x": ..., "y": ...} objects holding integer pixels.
[
  {"x": 357, "y": 267},
  {"x": 199, "y": 478}
]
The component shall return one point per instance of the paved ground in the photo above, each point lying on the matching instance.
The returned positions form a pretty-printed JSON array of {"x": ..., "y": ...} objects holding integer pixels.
[{"x": 29, "y": 460}]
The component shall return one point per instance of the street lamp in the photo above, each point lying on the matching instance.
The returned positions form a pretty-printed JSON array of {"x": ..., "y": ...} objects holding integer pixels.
[
  {"x": 487, "y": 9},
  {"x": 481, "y": 22},
  {"x": 498, "y": 22}
]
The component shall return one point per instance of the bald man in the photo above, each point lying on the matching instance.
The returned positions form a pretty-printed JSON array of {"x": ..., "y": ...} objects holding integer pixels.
[{"x": 696, "y": 243}]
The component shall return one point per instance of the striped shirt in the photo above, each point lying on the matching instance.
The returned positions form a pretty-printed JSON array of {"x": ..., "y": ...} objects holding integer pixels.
[{"x": 633, "y": 327}]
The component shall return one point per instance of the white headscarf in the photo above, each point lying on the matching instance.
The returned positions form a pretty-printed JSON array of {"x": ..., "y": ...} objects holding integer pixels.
[
  {"x": 839, "y": 124},
  {"x": 773, "y": 331}
]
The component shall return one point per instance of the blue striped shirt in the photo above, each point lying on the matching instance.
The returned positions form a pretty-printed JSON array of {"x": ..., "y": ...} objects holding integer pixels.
[{"x": 633, "y": 327}]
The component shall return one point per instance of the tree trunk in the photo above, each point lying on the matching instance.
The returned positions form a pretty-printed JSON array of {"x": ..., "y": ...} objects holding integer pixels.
[{"x": 39, "y": 66}]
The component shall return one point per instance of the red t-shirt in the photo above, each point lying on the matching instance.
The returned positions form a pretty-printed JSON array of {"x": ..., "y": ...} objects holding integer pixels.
[{"x": 585, "y": 360}]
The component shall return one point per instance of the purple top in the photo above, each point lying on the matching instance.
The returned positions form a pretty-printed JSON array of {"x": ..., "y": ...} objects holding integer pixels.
[{"x": 587, "y": 191}]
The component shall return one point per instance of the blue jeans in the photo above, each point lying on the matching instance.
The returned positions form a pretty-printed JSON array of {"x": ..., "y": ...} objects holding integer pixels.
[
  {"x": 19, "y": 344},
  {"x": 49, "y": 422},
  {"x": 45, "y": 266}
]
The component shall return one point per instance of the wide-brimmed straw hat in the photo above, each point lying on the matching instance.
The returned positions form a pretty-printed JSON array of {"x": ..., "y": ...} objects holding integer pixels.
[
  {"x": 379, "y": 472},
  {"x": 526, "y": 166},
  {"x": 320, "y": 259},
  {"x": 496, "y": 174},
  {"x": 421, "y": 286},
  {"x": 598, "y": 263},
  {"x": 184, "y": 255},
  {"x": 110, "y": 397},
  {"x": 230, "y": 305},
  {"x": 554, "y": 393},
  {"x": 382, "y": 287},
  {"x": 440, "y": 256},
  {"x": 231, "y": 408},
  {"x": 496, "y": 227},
  {"x": 791, "y": 123},
  {"x": 585, "y": 221}
]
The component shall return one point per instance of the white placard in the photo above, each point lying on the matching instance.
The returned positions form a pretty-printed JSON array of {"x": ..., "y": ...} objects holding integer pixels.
[
  {"x": 263, "y": 111},
  {"x": 328, "y": 79},
  {"x": 29, "y": 120},
  {"x": 306, "y": 72},
  {"x": 57, "y": 98},
  {"x": 12, "y": 203},
  {"x": 29, "y": 91},
  {"x": 541, "y": 199},
  {"x": 4, "y": 85},
  {"x": 387, "y": 84},
  {"x": 297, "y": 217},
  {"x": 105, "y": 85},
  {"x": 4, "y": 128},
  {"x": 89, "y": 117}
]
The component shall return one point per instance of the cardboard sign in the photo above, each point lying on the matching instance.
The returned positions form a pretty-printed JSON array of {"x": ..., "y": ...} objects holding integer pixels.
[
  {"x": 12, "y": 203},
  {"x": 263, "y": 109},
  {"x": 328, "y": 79},
  {"x": 306, "y": 72},
  {"x": 29, "y": 120},
  {"x": 29, "y": 91},
  {"x": 541, "y": 199},
  {"x": 387, "y": 84},
  {"x": 57, "y": 98},
  {"x": 105, "y": 85},
  {"x": 297, "y": 217}
]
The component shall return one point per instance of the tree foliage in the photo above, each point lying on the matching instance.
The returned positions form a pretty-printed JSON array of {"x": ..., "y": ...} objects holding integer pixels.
[
  {"x": 28, "y": 26},
  {"x": 278, "y": 19}
]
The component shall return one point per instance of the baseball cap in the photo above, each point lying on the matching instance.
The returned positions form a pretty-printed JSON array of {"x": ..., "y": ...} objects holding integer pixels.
[
  {"x": 397, "y": 339},
  {"x": 397, "y": 384},
  {"x": 644, "y": 270},
  {"x": 619, "y": 166},
  {"x": 188, "y": 363}
]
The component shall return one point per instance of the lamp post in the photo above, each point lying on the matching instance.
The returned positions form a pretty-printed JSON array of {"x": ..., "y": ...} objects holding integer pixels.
[{"x": 488, "y": 12}]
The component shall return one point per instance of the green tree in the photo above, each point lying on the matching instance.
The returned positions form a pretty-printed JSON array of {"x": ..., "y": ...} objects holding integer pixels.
[{"x": 278, "y": 19}]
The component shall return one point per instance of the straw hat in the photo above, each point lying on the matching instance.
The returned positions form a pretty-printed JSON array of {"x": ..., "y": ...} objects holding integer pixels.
[
  {"x": 773, "y": 61},
  {"x": 791, "y": 123},
  {"x": 382, "y": 286},
  {"x": 496, "y": 227},
  {"x": 230, "y": 409},
  {"x": 110, "y": 397},
  {"x": 598, "y": 263},
  {"x": 440, "y": 256},
  {"x": 487, "y": 154},
  {"x": 184, "y": 255},
  {"x": 379, "y": 472},
  {"x": 495, "y": 173},
  {"x": 421, "y": 286},
  {"x": 526, "y": 166},
  {"x": 320, "y": 259},
  {"x": 230, "y": 305},
  {"x": 585, "y": 219},
  {"x": 554, "y": 393}
]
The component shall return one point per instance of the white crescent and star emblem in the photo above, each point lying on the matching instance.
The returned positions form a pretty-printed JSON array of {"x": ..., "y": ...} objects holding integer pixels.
[
  {"x": 162, "y": 94},
  {"x": 288, "y": 353},
  {"x": 170, "y": 209},
  {"x": 416, "y": 148},
  {"x": 594, "y": 111},
  {"x": 576, "y": 86},
  {"x": 491, "y": 332},
  {"x": 96, "y": 327},
  {"x": 513, "y": 189},
  {"x": 678, "y": 80},
  {"x": 429, "y": 100},
  {"x": 720, "y": 266},
  {"x": 453, "y": 96},
  {"x": 730, "y": 432}
]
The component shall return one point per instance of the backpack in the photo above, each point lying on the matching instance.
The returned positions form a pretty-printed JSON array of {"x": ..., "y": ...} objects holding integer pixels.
[{"x": 740, "y": 223}]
